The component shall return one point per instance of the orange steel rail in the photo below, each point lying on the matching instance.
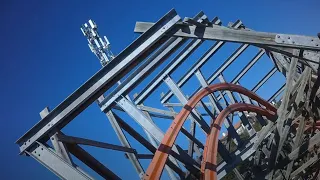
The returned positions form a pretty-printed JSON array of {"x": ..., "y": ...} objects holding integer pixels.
[
  {"x": 158, "y": 162},
  {"x": 204, "y": 162},
  {"x": 210, "y": 162}
]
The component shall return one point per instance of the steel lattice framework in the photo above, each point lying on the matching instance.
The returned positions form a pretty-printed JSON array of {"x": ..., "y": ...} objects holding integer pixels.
[{"x": 285, "y": 147}]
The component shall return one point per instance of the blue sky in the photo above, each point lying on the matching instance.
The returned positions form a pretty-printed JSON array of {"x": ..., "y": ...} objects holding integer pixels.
[{"x": 45, "y": 58}]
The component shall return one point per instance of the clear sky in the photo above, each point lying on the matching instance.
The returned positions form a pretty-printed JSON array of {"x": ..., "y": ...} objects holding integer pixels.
[{"x": 44, "y": 58}]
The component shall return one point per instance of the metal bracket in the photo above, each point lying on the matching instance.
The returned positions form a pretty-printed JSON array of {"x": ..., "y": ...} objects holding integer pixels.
[{"x": 297, "y": 40}]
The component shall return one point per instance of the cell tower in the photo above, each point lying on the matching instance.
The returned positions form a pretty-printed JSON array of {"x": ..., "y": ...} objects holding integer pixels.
[{"x": 100, "y": 47}]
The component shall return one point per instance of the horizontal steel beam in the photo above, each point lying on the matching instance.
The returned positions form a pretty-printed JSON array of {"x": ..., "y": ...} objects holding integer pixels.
[
  {"x": 145, "y": 156},
  {"x": 180, "y": 104},
  {"x": 100, "y": 82},
  {"x": 240, "y": 36},
  {"x": 83, "y": 141},
  {"x": 153, "y": 112}
]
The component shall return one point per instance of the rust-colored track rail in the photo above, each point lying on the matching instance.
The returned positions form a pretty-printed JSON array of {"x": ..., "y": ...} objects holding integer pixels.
[
  {"x": 158, "y": 162},
  {"x": 210, "y": 159}
]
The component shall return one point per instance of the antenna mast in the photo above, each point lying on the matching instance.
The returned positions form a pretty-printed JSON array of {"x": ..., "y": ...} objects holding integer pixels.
[{"x": 100, "y": 47}]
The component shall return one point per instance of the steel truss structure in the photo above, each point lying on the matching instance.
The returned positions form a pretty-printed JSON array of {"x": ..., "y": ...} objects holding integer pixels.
[{"x": 286, "y": 147}]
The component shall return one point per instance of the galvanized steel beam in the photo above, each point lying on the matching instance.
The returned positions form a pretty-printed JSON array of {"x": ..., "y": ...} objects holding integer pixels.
[{"x": 241, "y": 36}]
